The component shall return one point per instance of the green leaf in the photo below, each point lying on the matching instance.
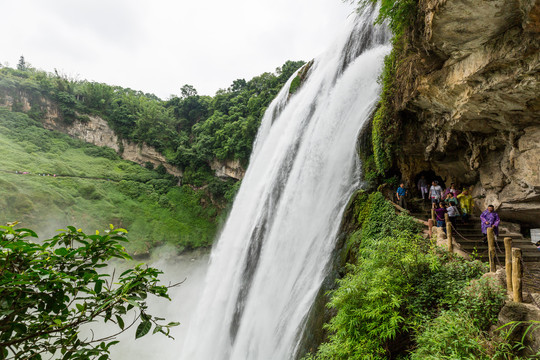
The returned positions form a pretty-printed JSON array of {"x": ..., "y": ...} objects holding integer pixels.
[
  {"x": 143, "y": 329},
  {"x": 132, "y": 303},
  {"x": 111, "y": 344},
  {"x": 30, "y": 232},
  {"x": 61, "y": 251},
  {"x": 98, "y": 286},
  {"x": 128, "y": 271},
  {"x": 120, "y": 322}
]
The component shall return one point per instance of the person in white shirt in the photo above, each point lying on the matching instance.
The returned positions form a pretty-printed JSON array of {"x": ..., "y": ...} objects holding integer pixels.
[
  {"x": 435, "y": 192},
  {"x": 453, "y": 213}
]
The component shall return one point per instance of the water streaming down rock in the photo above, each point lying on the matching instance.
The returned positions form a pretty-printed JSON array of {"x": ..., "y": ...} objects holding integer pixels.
[{"x": 272, "y": 255}]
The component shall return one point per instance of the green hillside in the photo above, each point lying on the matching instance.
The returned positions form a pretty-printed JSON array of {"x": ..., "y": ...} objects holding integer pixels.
[
  {"x": 92, "y": 188},
  {"x": 190, "y": 130}
]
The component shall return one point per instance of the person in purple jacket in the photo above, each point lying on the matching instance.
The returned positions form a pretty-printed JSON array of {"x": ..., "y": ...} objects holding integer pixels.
[
  {"x": 490, "y": 218},
  {"x": 440, "y": 210}
]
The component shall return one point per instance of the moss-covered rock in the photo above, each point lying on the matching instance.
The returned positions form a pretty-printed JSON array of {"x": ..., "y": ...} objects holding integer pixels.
[{"x": 300, "y": 78}]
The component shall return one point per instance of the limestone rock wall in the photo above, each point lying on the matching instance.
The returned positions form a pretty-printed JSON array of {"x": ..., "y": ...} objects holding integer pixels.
[
  {"x": 95, "y": 131},
  {"x": 229, "y": 168},
  {"x": 474, "y": 117}
]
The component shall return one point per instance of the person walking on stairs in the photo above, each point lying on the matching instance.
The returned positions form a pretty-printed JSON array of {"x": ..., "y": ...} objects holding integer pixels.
[
  {"x": 440, "y": 210},
  {"x": 490, "y": 218},
  {"x": 401, "y": 194},
  {"x": 466, "y": 204},
  {"x": 453, "y": 213},
  {"x": 435, "y": 192}
]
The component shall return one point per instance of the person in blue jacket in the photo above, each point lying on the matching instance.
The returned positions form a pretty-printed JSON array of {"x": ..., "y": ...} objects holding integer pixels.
[{"x": 401, "y": 195}]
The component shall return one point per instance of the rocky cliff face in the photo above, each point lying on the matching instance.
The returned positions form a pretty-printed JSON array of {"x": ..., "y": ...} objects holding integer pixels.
[
  {"x": 95, "y": 130},
  {"x": 472, "y": 113},
  {"x": 228, "y": 169}
]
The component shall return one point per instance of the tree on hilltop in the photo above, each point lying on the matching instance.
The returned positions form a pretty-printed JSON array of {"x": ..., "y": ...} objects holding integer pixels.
[
  {"x": 21, "y": 65},
  {"x": 187, "y": 91}
]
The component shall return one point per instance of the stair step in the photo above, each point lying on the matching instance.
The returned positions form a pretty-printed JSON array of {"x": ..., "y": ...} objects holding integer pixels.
[
  {"x": 479, "y": 235},
  {"x": 530, "y": 257},
  {"x": 526, "y": 259},
  {"x": 523, "y": 242},
  {"x": 524, "y": 250}
]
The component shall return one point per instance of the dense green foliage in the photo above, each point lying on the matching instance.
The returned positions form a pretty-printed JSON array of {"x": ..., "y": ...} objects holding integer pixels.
[
  {"x": 396, "y": 13},
  {"x": 50, "y": 289},
  {"x": 92, "y": 187},
  {"x": 190, "y": 130},
  {"x": 233, "y": 117},
  {"x": 452, "y": 335},
  {"x": 399, "y": 15},
  {"x": 401, "y": 288},
  {"x": 385, "y": 125}
]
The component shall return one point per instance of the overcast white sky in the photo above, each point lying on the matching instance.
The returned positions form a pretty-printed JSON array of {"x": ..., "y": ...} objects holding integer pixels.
[{"x": 158, "y": 45}]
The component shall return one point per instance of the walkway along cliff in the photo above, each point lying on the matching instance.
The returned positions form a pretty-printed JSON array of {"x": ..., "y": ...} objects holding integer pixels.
[{"x": 465, "y": 102}]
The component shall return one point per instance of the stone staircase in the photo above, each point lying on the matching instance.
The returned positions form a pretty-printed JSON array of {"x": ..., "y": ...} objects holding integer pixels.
[{"x": 469, "y": 236}]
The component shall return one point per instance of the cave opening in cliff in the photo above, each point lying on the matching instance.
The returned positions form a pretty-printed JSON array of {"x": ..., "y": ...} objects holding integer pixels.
[{"x": 430, "y": 176}]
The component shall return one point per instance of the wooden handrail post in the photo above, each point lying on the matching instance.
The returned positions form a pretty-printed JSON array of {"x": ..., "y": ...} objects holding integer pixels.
[
  {"x": 430, "y": 227},
  {"x": 491, "y": 249},
  {"x": 508, "y": 263},
  {"x": 433, "y": 214},
  {"x": 517, "y": 273},
  {"x": 449, "y": 233}
]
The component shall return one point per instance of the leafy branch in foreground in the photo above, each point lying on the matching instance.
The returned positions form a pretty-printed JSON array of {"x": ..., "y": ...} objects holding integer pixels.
[{"x": 50, "y": 289}]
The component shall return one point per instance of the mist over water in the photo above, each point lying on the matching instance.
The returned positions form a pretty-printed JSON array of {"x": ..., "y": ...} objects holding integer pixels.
[
  {"x": 190, "y": 267},
  {"x": 272, "y": 255}
]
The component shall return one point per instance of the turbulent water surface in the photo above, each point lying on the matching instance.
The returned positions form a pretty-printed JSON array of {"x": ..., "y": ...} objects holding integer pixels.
[{"x": 272, "y": 255}]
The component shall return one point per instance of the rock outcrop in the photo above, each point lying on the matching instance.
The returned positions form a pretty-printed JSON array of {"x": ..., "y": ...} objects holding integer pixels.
[
  {"x": 526, "y": 318},
  {"x": 472, "y": 115},
  {"x": 95, "y": 130},
  {"x": 228, "y": 169}
]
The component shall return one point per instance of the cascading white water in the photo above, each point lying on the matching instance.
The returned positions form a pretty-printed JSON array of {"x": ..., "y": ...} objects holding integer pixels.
[{"x": 274, "y": 250}]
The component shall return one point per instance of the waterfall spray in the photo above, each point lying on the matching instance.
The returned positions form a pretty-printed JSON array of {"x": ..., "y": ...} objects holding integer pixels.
[{"x": 273, "y": 253}]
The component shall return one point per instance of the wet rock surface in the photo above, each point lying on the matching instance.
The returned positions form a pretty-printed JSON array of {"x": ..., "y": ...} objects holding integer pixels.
[
  {"x": 475, "y": 117},
  {"x": 228, "y": 169}
]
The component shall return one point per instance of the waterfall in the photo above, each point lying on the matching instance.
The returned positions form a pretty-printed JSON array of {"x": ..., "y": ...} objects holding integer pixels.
[{"x": 274, "y": 251}]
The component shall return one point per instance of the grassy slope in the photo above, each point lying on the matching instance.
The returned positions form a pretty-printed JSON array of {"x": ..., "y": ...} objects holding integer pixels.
[{"x": 122, "y": 193}]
